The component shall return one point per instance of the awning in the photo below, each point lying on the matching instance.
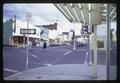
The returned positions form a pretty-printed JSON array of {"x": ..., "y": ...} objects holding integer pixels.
[{"x": 92, "y": 14}]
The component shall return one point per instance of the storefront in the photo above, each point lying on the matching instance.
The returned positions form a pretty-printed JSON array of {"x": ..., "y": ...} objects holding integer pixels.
[{"x": 13, "y": 37}]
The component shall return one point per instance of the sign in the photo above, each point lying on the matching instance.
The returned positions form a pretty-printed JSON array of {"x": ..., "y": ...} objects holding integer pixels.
[
  {"x": 27, "y": 31},
  {"x": 86, "y": 29}
]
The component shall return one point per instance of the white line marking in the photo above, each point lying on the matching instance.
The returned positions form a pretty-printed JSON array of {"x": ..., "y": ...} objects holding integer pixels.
[
  {"x": 31, "y": 54},
  {"x": 61, "y": 57},
  {"x": 48, "y": 64},
  {"x": 42, "y": 64},
  {"x": 11, "y": 70},
  {"x": 34, "y": 56},
  {"x": 67, "y": 52}
]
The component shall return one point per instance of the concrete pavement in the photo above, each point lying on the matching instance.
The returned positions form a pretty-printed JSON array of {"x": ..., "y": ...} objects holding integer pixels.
[{"x": 62, "y": 72}]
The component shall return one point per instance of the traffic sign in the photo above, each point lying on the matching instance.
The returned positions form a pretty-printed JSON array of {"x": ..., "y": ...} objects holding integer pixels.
[
  {"x": 27, "y": 31},
  {"x": 86, "y": 29}
]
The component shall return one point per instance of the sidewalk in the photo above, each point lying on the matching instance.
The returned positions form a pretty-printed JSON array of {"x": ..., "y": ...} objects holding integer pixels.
[{"x": 61, "y": 72}]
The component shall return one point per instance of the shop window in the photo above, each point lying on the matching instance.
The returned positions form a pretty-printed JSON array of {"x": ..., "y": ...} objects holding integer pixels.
[{"x": 100, "y": 44}]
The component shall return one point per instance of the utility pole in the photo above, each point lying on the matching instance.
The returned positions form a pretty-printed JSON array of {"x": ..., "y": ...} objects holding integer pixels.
[
  {"x": 28, "y": 18},
  {"x": 24, "y": 39},
  {"x": 88, "y": 53},
  {"x": 74, "y": 37}
]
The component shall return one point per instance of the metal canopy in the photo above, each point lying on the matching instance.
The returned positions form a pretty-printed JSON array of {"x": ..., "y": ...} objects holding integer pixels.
[{"x": 92, "y": 14}]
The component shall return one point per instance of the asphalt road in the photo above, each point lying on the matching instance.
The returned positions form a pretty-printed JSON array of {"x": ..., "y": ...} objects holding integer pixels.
[{"x": 14, "y": 59}]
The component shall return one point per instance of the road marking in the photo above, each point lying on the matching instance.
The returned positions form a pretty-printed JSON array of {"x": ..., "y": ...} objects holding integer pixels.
[
  {"x": 31, "y": 54},
  {"x": 48, "y": 64},
  {"x": 11, "y": 70},
  {"x": 42, "y": 64},
  {"x": 67, "y": 52},
  {"x": 61, "y": 57},
  {"x": 34, "y": 56}
]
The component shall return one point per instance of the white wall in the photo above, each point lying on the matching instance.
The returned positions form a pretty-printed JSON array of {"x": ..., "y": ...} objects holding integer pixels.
[
  {"x": 102, "y": 30},
  {"x": 102, "y": 33},
  {"x": 101, "y": 36}
]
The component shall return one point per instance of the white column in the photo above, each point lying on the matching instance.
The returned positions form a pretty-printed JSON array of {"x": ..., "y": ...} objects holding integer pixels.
[
  {"x": 108, "y": 43},
  {"x": 90, "y": 40},
  {"x": 95, "y": 53}
]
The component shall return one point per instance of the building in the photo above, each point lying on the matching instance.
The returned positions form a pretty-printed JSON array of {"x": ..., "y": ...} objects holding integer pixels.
[
  {"x": 81, "y": 39},
  {"x": 13, "y": 37},
  {"x": 65, "y": 38},
  {"x": 58, "y": 40},
  {"x": 7, "y": 32},
  {"x": 44, "y": 32}
]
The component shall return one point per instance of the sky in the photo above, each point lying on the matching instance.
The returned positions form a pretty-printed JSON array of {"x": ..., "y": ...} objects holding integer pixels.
[{"x": 42, "y": 14}]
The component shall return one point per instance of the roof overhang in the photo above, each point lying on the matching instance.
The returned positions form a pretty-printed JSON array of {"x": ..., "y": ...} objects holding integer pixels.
[
  {"x": 92, "y": 14},
  {"x": 50, "y": 27}
]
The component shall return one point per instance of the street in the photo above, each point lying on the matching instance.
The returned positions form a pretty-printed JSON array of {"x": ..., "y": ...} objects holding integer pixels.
[{"x": 14, "y": 58}]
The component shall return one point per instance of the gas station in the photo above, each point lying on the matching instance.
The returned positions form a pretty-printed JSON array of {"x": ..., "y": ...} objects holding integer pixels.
[{"x": 92, "y": 15}]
